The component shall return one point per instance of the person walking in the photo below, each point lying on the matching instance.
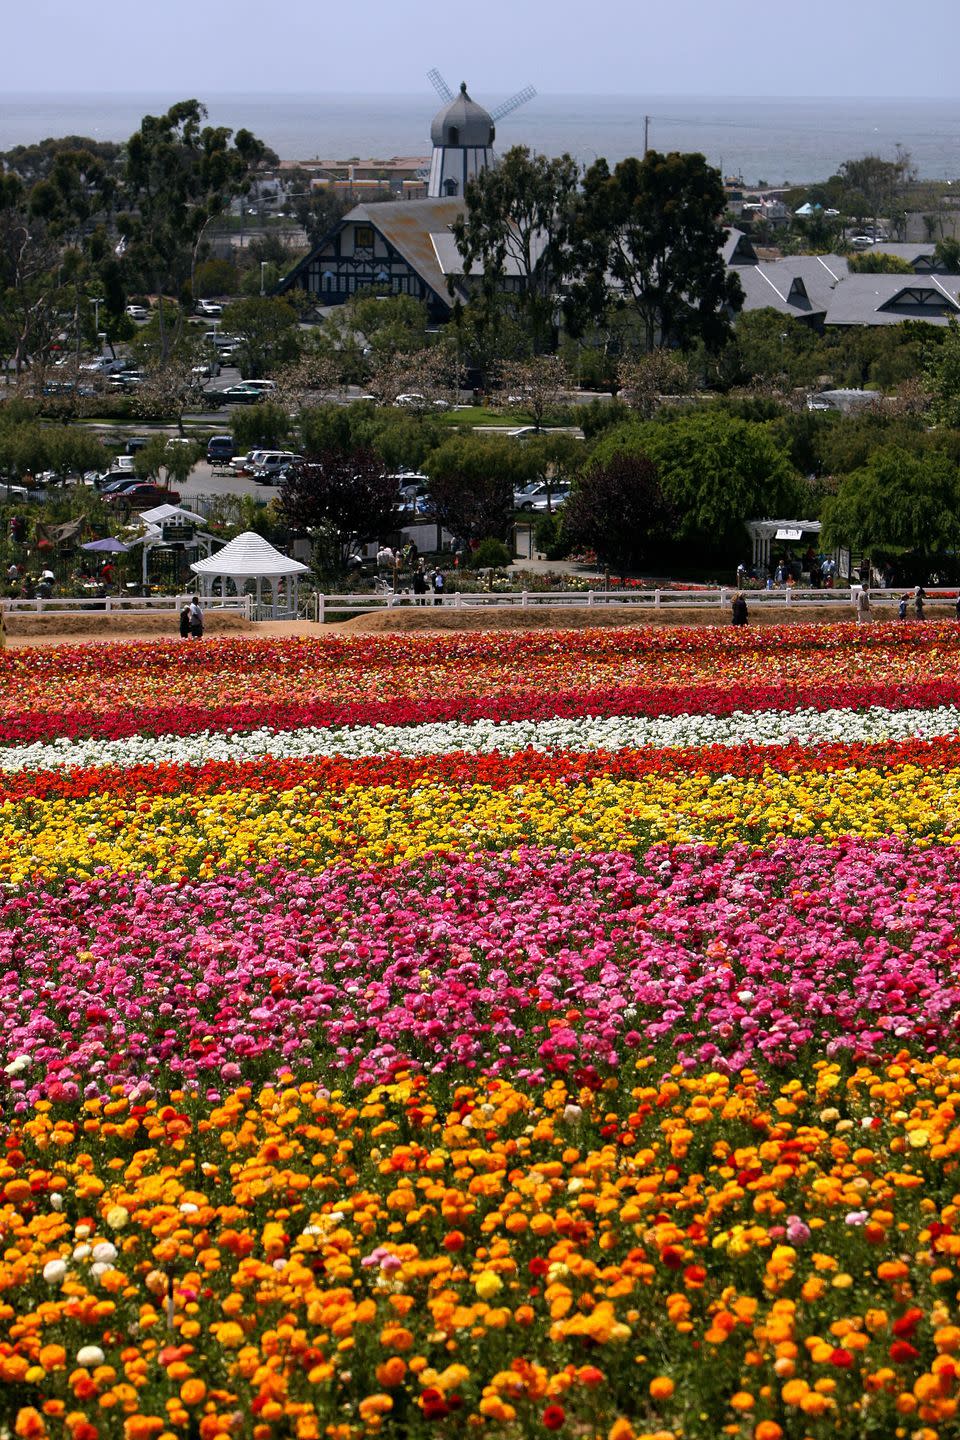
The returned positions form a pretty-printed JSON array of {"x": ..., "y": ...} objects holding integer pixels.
[
  {"x": 739, "y": 608},
  {"x": 195, "y": 619},
  {"x": 919, "y": 595},
  {"x": 185, "y": 623}
]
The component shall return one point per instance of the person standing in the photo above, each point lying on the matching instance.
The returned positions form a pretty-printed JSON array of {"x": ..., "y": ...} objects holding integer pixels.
[
  {"x": 863, "y": 605},
  {"x": 438, "y": 584},
  {"x": 185, "y": 623},
  {"x": 419, "y": 584},
  {"x": 195, "y": 617},
  {"x": 902, "y": 608},
  {"x": 739, "y": 608},
  {"x": 919, "y": 595}
]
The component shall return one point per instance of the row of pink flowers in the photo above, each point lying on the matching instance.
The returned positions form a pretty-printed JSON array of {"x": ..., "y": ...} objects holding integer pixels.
[{"x": 519, "y": 964}]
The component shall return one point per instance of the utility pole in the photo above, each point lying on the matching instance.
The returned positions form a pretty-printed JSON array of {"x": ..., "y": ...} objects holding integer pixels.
[{"x": 646, "y": 133}]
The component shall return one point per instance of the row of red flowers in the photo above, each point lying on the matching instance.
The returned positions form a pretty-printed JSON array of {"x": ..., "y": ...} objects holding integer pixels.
[
  {"x": 115, "y": 724},
  {"x": 499, "y": 771}
]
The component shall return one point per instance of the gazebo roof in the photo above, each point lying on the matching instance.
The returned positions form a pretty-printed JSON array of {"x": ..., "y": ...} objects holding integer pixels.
[
  {"x": 159, "y": 513},
  {"x": 247, "y": 557}
]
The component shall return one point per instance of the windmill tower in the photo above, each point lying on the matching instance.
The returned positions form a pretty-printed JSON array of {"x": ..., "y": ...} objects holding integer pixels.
[{"x": 463, "y": 134}]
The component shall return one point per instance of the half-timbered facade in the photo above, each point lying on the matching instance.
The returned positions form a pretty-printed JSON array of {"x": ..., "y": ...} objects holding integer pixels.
[{"x": 386, "y": 248}]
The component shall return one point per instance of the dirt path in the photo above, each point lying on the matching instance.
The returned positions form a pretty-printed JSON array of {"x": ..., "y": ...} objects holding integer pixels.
[{"x": 117, "y": 629}]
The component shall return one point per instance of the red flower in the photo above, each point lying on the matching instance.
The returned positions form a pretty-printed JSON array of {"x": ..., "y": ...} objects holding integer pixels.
[
  {"x": 841, "y": 1358},
  {"x": 554, "y": 1416},
  {"x": 901, "y": 1351},
  {"x": 905, "y": 1326}
]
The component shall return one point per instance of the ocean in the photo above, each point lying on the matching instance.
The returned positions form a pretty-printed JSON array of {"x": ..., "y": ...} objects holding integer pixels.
[{"x": 766, "y": 140}]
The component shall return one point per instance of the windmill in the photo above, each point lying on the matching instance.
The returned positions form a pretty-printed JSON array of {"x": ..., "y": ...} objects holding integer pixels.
[{"x": 463, "y": 133}]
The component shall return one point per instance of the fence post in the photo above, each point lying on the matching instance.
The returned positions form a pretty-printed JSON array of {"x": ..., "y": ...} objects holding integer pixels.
[
  {"x": 723, "y": 597},
  {"x": 108, "y": 606},
  {"x": 656, "y": 599},
  {"x": 589, "y": 597},
  {"x": 458, "y": 603},
  {"x": 786, "y": 596},
  {"x": 321, "y": 608},
  {"x": 523, "y": 597}
]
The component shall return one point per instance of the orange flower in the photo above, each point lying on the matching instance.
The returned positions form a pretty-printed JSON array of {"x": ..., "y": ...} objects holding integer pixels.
[{"x": 661, "y": 1387}]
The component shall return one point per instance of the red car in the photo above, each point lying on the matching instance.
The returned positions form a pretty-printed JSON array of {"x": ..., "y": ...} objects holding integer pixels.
[{"x": 141, "y": 497}]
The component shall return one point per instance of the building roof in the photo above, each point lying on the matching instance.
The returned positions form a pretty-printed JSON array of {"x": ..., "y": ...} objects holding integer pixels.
[
  {"x": 451, "y": 261},
  {"x": 463, "y": 123},
  {"x": 247, "y": 557},
  {"x": 891, "y": 299},
  {"x": 161, "y": 513}
]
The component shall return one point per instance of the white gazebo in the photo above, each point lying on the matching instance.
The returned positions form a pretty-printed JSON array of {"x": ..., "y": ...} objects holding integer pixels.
[
  {"x": 249, "y": 559},
  {"x": 764, "y": 532},
  {"x": 171, "y": 525}
]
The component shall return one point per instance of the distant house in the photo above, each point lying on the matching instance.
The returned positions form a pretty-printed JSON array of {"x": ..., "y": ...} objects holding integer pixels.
[
  {"x": 821, "y": 290},
  {"x": 402, "y": 247}
]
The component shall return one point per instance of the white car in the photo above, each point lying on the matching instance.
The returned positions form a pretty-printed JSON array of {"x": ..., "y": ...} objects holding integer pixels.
[
  {"x": 266, "y": 386},
  {"x": 536, "y": 496},
  {"x": 137, "y": 312},
  {"x": 860, "y": 242},
  {"x": 209, "y": 307}
]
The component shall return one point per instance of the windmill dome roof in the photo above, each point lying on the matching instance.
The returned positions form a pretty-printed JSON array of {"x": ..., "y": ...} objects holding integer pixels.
[{"x": 463, "y": 122}]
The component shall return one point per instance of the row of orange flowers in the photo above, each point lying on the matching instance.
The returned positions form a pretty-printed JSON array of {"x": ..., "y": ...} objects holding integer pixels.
[{"x": 689, "y": 1255}]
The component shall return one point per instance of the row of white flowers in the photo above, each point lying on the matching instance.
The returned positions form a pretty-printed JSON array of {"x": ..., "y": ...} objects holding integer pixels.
[{"x": 617, "y": 732}]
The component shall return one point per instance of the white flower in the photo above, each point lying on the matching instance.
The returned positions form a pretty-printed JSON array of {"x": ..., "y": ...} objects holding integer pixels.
[
  {"x": 81, "y": 1252},
  {"x": 54, "y": 1271},
  {"x": 90, "y": 1355},
  {"x": 17, "y": 1065},
  {"x": 104, "y": 1253}
]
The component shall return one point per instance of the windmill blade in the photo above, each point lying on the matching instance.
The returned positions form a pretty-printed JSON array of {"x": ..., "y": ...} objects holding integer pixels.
[
  {"x": 514, "y": 103},
  {"x": 440, "y": 85}
]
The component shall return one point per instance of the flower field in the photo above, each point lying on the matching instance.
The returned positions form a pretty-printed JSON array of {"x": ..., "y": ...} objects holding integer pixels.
[{"x": 501, "y": 1035}]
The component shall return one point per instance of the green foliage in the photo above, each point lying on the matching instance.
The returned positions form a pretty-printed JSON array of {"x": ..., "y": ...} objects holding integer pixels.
[
  {"x": 878, "y": 262},
  {"x": 490, "y": 554},
  {"x": 29, "y": 447},
  {"x": 619, "y": 509},
  {"x": 716, "y": 472},
  {"x": 393, "y": 324},
  {"x": 768, "y": 346},
  {"x": 946, "y": 253},
  {"x": 898, "y": 504},
  {"x": 521, "y": 211},
  {"x": 600, "y": 415},
  {"x": 652, "y": 224},
  {"x": 268, "y": 333},
  {"x": 263, "y": 426},
  {"x": 943, "y": 376},
  {"x": 215, "y": 278},
  {"x": 472, "y": 482}
]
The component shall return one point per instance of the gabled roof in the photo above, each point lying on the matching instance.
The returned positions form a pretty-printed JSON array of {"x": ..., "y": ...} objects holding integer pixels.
[
  {"x": 407, "y": 225},
  {"x": 891, "y": 299},
  {"x": 738, "y": 249},
  {"x": 246, "y": 557}
]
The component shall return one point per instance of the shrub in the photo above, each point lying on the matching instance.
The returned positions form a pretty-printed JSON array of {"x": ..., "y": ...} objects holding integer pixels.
[{"x": 490, "y": 554}]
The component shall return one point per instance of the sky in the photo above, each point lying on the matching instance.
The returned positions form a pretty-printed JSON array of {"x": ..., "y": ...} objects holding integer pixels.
[{"x": 623, "y": 47}]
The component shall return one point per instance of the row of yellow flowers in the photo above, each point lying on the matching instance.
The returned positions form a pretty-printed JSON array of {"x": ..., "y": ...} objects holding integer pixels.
[
  {"x": 306, "y": 827},
  {"x": 683, "y": 1256}
]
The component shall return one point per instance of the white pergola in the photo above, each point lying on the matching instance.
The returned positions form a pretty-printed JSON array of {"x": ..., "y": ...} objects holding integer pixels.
[
  {"x": 160, "y": 515},
  {"x": 764, "y": 532},
  {"x": 251, "y": 560}
]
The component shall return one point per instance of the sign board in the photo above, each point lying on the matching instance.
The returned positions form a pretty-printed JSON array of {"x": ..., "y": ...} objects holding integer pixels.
[
  {"x": 788, "y": 535},
  {"x": 177, "y": 534}
]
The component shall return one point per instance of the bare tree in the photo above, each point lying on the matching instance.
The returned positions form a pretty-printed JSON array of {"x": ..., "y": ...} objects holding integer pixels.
[
  {"x": 646, "y": 380},
  {"x": 534, "y": 386}
]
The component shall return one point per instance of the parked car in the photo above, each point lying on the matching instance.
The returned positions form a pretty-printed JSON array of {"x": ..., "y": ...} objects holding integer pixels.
[
  {"x": 233, "y": 395},
  {"x": 210, "y": 308},
  {"x": 860, "y": 242},
  {"x": 273, "y": 461},
  {"x": 417, "y": 401},
  {"x": 104, "y": 365},
  {"x": 246, "y": 464},
  {"x": 207, "y": 370},
  {"x": 266, "y": 386},
  {"x": 220, "y": 449},
  {"x": 536, "y": 495},
  {"x": 139, "y": 497},
  {"x": 137, "y": 312},
  {"x": 137, "y": 442}
]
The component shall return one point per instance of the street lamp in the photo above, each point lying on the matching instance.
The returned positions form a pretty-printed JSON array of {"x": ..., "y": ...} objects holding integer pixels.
[
  {"x": 98, "y": 300},
  {"x": 263, "y": 287}
]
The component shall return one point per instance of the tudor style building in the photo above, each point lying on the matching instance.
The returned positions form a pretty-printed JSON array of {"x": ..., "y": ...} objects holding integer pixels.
[{"x": 389, "y": 248}]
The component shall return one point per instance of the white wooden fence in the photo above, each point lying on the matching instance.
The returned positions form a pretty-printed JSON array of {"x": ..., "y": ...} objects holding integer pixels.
[
  {"x": 124, "y": 604},
  {"x": 883, "y": 602}
]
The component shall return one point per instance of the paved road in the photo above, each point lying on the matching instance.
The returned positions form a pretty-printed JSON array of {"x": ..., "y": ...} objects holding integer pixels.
[{"x": 203, "y": 481}]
